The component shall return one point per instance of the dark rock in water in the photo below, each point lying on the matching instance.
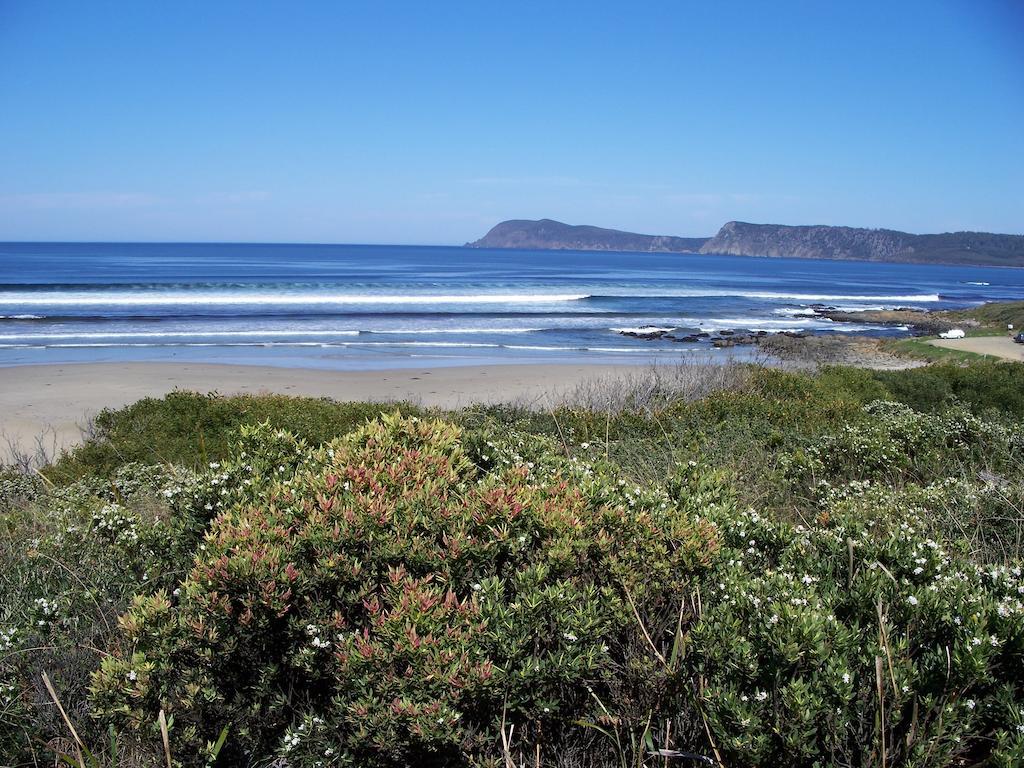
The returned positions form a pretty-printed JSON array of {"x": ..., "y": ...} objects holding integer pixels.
[
  {"x": 691, "y": 339},
  {"x": 726, "y": 333},
  {"x": 723, "y": 343},
  {"x": 703, "y": 334},
  {"x": 684, "y": 331},
  {"x": 646, "y": 332},
  {"x": 760, "y": 334}
]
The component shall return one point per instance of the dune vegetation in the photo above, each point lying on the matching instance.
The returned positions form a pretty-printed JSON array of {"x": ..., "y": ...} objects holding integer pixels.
[{"x": 746, "y": 568}]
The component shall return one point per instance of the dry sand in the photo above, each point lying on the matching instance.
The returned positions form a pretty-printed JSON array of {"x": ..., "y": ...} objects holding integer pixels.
[
  {"x": 999, "y": 346},
  {"x": 53, "y": 402}
]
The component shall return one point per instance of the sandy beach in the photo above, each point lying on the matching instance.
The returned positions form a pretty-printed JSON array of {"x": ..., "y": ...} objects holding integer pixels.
[
  {"x": 998, "y": 346},
  {"x": 54, "y": 402}
]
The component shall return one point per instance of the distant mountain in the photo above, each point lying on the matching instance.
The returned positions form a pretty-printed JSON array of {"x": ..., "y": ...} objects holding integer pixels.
[
  {"x": 772, "y": 240},
  {"x": 820, "y": 242},
  {"x": 554, "y": 235}
]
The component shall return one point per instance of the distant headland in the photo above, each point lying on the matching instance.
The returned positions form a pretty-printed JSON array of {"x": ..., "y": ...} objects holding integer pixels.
[
  {"x": 546, "y": 234},
  {"x": 739, "y": 238}
]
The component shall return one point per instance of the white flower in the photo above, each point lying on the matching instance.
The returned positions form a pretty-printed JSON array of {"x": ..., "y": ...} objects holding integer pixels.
[
  {"x": 761, "y": 695},
  {"x": 846, "y": 677},
  {"x": 912, "y": 600}
]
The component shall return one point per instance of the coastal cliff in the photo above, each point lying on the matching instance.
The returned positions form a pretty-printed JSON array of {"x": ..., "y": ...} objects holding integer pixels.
[
  {"x": 547, "y": 234},
  {"x": 739, "y": 238}
]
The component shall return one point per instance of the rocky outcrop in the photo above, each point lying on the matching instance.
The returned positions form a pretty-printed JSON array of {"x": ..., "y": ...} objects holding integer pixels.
[
  {"x": 723, "y": 338},
  {"x": 739, "y": 238},
  {"x": 919, "y": 321},
  {"x": 547, "y": 234}
]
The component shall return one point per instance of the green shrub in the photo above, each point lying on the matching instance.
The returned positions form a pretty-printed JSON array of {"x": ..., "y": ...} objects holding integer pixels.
[
  {"x": 833, "y": 644},
  {"x": 382, "y": 600},
  {"x": 982, "y": 515},
  {"x": 190, "y": 429},
  {"x": 982, "y": 386},
  {"x": 896, "y": 443},
  {"x": 71, "y": 559},
  {"x": 527, "y": 580}
]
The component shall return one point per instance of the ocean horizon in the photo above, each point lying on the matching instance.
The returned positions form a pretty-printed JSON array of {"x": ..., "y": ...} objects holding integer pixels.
[{"x": 352, "y": 307}]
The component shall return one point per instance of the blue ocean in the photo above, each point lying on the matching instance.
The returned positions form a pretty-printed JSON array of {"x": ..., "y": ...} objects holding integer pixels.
[{"x": 366, "y": 307}]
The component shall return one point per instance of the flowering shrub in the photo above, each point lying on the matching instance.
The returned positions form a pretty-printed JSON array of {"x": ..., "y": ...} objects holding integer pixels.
[
  {"x": 892, "y": 441},
  {"x": 17, "y": 488},
  {"x": 849, "y": 640},
  {"x": 70, "y": 560},
  {"x": 525, "y": 590},
  {"x": 982, "y": 516},
  {"x": 383, "y": 600}
]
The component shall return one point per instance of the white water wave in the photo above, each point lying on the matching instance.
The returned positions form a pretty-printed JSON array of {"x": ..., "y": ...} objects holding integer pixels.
[
  {"x": 906, "y": 299},
  {"x": 354, "y": 345},
  {"x": 428, "y": 331},
  {"x": 646, "y": 329},
  {"x": 808, "y": 312},
  {"x": 126, "y": 299},
  {"x": 794, "y": 312},
  {"x": 172, "y": 334}
]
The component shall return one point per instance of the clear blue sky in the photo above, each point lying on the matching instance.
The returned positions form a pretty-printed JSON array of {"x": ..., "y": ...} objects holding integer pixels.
[{"x": 427, "y": 122}]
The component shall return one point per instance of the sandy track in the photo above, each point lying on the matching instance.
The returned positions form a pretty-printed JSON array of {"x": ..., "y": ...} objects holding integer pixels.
[{"x": 999, "y": 346}]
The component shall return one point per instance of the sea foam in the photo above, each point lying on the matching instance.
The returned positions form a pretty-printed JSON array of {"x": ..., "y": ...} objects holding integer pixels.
[{"x": 125, "y": 299}]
